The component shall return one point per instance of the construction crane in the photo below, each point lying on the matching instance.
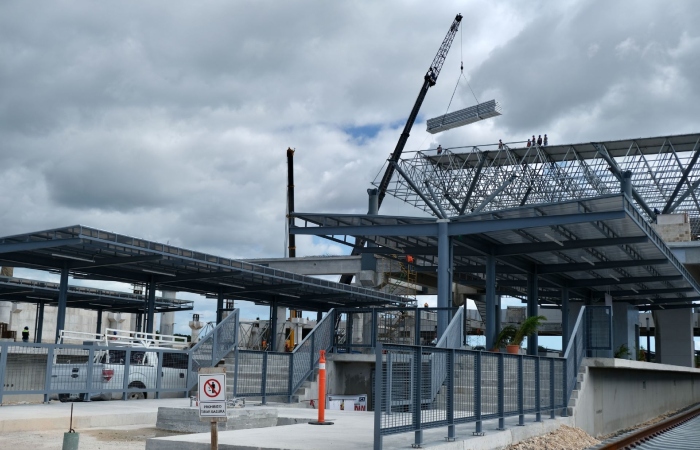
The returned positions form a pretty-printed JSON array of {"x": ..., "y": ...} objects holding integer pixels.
[{"x": 429, "y": 80}]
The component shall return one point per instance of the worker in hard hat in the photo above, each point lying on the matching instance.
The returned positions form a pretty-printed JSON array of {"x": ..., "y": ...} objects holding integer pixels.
[{"x": 25, "y": 334}]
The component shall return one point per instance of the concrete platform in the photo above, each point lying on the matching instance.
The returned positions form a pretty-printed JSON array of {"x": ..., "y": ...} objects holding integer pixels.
[
  {"x": 56, "y": 415},
  {"x": 353, "y": 430}
]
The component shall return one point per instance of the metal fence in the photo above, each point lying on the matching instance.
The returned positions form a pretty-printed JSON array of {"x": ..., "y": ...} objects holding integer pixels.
[
  {"x": 263, "y": 374},
  {"x": 66, "y": 371},
  {"x": 214, "y": 346},
  {"x": 361, "y": 329},
  {"x": 418, "y": 387}
]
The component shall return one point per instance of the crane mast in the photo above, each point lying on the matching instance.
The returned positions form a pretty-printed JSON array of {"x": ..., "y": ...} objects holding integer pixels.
[{"x": 429, "y": 80}]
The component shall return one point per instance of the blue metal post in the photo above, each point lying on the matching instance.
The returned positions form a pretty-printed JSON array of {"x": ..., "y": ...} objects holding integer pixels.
[
  {"x": 416, "y": 332},
  {"x": 551, "y": 388},
  {"x": 451, "y": 357},
  {"x": 220, "y": 306},
  {"x": 62, "y": 301},
  {"x": 532, "y": 310},
  {"x": 444, "y": 275},
  {"x": 273, "y": 326},
  {"x": 417, "y": 396},
  {"x": 378, "y": 400},
  {"x": 565, "y": 389},
  {"x": 3, "y": 365},
  {"x": 501, "y": 393},
  {"x": 49, "y": 367},
  {"x": 263, "y": 381},
  {"x": 90, "y": 375},
  {"x": 521, "y": 399},
  {"x": 151, "y": 309},
  {"x": 538, "y": 395},
  {"x": 159, "y": 374},
  {"x": 490, "y": 301},
  {"x": 477, "y": 393},
  {"x": 565, "y": 332}
]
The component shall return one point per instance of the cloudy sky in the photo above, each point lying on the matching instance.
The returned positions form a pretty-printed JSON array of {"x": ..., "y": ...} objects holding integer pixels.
[{"x": 169, "y": 120}]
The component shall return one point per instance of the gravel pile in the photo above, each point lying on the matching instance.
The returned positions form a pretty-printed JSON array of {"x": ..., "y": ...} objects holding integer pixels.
[{"x": 564, "y": 438}]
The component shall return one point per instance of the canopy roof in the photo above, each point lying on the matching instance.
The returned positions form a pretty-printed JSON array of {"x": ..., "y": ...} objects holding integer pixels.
[
  {"x": 592, "y": 246},
  {"x": 90, "y": 253}
]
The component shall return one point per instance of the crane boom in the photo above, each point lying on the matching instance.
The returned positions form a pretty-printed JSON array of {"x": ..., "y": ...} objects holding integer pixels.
[{"x": 429, "y": 80}]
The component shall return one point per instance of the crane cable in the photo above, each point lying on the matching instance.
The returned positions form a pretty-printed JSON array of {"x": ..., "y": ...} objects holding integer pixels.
[{"x": 461, "y": 75}]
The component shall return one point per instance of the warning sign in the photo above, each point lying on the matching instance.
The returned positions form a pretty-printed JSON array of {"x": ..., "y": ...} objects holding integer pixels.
[
  {"x": 212, "y": 387},
  {"x": 212, "y": 409}
]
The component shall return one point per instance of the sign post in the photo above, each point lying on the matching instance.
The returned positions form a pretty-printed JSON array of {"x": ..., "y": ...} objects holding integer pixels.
[{"x": 212, "y": 399}]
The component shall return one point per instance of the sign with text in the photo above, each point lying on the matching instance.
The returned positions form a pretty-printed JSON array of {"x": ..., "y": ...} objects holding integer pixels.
[{"x": 212, "y": 393}]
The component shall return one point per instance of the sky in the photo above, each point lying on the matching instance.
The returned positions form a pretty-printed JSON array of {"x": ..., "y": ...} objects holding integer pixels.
[{"x": 170, "y": 120}]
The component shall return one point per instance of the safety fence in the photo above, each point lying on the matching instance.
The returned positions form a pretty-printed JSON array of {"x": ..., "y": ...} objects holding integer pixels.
[
  {"x": 213, "y": 347},
  {"x": 41, "y": 372},
  {"x": 263, "y": 374},
  {"x": 360, "y": 329},
  {"x": 418, "y": 387}
]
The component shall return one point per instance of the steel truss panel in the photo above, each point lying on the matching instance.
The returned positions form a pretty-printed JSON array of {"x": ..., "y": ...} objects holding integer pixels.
[
  {"x": 464, "y": 116},
  {"x": 665, "y": 176}
]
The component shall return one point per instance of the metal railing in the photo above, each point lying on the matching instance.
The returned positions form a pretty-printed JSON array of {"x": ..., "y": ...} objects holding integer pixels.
[
  {"x": 360, "y": 329},
  {"x": 418, "y": 387},
  {"x": 41, "y": 372},
  {"x": 214, "y": 346},
  {"x": 261, "y": 373}
]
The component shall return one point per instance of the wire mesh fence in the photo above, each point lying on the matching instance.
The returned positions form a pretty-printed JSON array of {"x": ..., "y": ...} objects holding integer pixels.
[
  {"x": 420, "y": 387},
  {"x": 89, "y": 372}
]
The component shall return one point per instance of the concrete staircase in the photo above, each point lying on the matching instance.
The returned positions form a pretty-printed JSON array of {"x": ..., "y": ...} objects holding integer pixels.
[{"x": 581, "y": 378}]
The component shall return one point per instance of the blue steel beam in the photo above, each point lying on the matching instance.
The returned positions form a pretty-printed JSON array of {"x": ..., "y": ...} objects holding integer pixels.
[
  {"x": 623, "y": 280},
  {"x": 104, "y": 262},
  {"x": 459, "y": 228},
  {"x": 583, "y": 267},
  {"x": 9, "y": 247}
]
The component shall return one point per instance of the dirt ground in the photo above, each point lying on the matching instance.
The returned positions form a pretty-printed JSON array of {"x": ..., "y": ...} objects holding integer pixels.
[{"x": 122, "y": 438}]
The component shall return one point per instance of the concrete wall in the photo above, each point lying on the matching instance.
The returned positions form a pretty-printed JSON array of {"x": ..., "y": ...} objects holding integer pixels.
[
  {"x": 350, "y": 375},
  {"x": 617, "y": 394}
]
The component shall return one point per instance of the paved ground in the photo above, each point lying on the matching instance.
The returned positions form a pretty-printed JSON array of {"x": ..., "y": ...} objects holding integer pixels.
[{"x": 131, "y": 426}]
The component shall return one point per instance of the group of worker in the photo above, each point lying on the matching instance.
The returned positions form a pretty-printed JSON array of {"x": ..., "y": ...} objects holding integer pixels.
[{"x": 539, "y": 142}]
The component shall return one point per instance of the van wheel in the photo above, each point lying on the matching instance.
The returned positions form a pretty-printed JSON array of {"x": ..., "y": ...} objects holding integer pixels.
[
  {"x": 136, "y": 395},
  {"x": 63, "y": 397}
]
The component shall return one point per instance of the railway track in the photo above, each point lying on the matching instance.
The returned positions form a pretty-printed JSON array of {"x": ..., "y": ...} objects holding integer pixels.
[{"x": 679, "y": 432}]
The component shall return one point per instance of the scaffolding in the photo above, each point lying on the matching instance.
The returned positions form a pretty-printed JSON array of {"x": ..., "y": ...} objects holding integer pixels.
[
  {"x": 406, "y": 283},
  {"x": 467, "y": 180}
]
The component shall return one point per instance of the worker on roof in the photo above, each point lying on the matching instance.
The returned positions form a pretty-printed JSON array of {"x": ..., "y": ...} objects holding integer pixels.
[
  {"x": 528, "y": 143},
  {"x": 439, "y": 150},
  {"x": 500, "y": 144},
  {"x": 545, "y": 140},
  {"x": 539, "y": 140}
]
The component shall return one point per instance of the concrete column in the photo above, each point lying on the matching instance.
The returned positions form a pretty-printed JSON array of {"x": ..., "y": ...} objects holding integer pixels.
[
  {"x": 167, "y": 319},
  {"x": 151, "y": 308},
  {"x": 490, "y": 319},
  {"x": 62, "y": 301},
  {"x": 5, "y": 312},
  {"x": 444, "y": 275},
  {"x": 674, "y": 337},
  {"x": 532, "y": 310},
  {"x": 625, "y": 317}
]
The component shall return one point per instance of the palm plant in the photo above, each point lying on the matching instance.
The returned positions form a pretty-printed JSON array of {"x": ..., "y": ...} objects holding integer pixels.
[
  {"x": 505, "y": 337},
  {"x": 528, "y": 327}
]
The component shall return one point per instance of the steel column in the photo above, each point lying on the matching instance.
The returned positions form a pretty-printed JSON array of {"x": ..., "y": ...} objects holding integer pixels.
[
  {"x": 62, "y": 301},
  {"x": 151, "y": 308},
  {"x": 40, "y": 324},
  {"x": 490, "y": 301},
  {"x": 220, "y": 305},
  {"x": 565, "y": 332},
  {"x": 532, "y": 292},
  {"x": 273, "y": 326},
  {"x": 444, "y": 275},
  {"x": 98, "y": 328}
]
